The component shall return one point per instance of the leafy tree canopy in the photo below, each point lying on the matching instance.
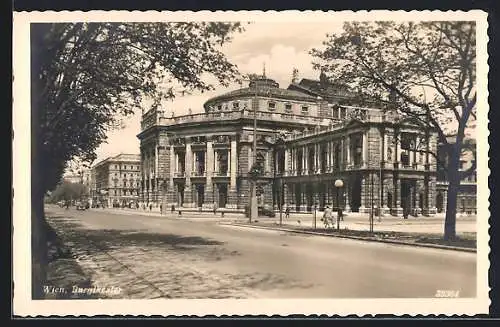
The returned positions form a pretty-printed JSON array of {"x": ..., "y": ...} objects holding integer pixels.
[
  {"x": 428, "y": 68},
  {"x": 86, "y": 76},
  {"x": 68, "y": 191},
  {"x": 424, "y": 70}
]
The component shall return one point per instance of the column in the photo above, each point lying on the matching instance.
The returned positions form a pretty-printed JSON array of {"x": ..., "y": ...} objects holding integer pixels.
[
  {"x": 365, "y": 194},
  {"x": 397, "y": 197},
  {"x": 316, "y": 158},
  {"x": 250, "y": 157},
  {"x": 303, "y": 204},
  {"x": 432, "y": 196},
  {"x": 209, "y": 164},
  {"x": 305, "y": 155},
  {"x": 171, "y": 198},
  {"x": 397, "y": 156},
  {"x": 188, "y": 164},
  {"x": 364, "y": 151},
  {"x": 348, "y": 149},
  {"x": 233, "y": 194},
  {"x": 384, "y": 152},
  {"x": 445, "y": 200},
  {"x": 346, "y": 196},
  {"x": 417, "y": 197},
  {"x": 287, "y": 153},
  {"x": 157, "y": 181}
]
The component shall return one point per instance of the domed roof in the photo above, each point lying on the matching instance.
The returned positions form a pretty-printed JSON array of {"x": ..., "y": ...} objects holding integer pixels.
[{"x": 264, "y": 87}]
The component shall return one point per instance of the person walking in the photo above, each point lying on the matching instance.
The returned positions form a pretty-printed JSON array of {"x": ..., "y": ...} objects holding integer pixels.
[
  {"x": 340, "y": 214},
  {"x": 287, "y": 211},
  {"x": 328, "y": 217},
  {"x": 215, "y": 208}
]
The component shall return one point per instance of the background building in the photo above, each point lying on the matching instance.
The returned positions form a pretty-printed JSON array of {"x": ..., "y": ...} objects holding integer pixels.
[
  {"x": 467, "y": 193},
  {"x": 115, "y": 180}
]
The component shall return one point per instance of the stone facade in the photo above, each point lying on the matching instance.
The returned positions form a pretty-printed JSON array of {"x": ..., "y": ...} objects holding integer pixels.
[
  {"x": 304, "y": 144},
  {"x": 116, "y": 180}
]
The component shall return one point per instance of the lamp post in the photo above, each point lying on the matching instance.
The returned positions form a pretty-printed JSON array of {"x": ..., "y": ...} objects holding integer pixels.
[
  {"x": 253, "y": 197},
  {"x": 338, "y": 185}
]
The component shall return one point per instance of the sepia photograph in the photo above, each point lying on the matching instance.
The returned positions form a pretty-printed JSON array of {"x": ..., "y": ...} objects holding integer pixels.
[{"x": 220, "y": 159}]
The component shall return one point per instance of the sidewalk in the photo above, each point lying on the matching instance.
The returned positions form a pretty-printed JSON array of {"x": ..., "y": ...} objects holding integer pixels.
[
  {"x": 465, "y": 244},
  {"x": 392, "y": 224},
  {"x": 353, "y": 221},
  {"x": 186, "y": 214}
]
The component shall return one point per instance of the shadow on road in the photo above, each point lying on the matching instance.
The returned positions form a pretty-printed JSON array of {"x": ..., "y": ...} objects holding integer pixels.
[{"x": 114, "y": 238}]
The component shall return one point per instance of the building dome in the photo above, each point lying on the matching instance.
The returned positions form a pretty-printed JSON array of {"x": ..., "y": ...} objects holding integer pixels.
[{"x": 260, "y": 87}]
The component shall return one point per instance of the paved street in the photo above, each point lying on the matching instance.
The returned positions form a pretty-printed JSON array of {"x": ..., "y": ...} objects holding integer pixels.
[{"x": 152, "y": 257}]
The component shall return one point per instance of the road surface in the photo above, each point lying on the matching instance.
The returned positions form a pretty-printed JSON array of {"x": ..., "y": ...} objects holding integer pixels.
[{"x": 154, "y": 257}]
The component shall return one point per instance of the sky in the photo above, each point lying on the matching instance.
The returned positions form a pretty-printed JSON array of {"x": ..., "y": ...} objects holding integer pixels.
[{"x": 280, "y": 46}]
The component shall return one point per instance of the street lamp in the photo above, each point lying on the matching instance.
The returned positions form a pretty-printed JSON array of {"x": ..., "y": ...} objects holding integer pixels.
[{"x": 338, "y": 184}]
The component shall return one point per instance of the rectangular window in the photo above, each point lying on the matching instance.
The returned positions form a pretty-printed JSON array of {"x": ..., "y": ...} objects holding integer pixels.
[
  {"x": 219, "y": 107},
  {"x": 288, "y": 107},
  {"x": 271, "y": 105},
  {"x": 305, "y": 109},
  {"x": 236, "y": 105},
  {"x": 336, "y": 113}
]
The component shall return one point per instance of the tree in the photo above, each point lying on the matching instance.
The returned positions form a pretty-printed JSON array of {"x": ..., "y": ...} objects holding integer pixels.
[
  {"x": 86, "y": 76},
  {"x": 428, "y": 68},
  {"x": 68, "y": 191}
]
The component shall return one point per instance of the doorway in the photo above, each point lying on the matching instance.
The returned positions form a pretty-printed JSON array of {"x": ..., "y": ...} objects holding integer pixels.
[
  {"x": 200, "y": 195},
  {"x": 180, "y": 195},
  {"x": 222, "y": 195},
  {"x": 408, "y": 199},
  {"x": 355, "y": 196}
]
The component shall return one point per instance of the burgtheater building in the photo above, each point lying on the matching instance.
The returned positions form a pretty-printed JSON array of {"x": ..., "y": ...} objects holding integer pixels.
[{"x": 308, "y": 136}]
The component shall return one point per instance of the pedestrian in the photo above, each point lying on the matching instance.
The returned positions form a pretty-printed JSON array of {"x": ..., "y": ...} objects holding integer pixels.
[
  {"x": 150, "y": 207},
  {"x": 172, "y": 208},
  {"x": 215, "y": 208},
  {"x": 406, "y": 210},
  {"x": 327, "y": 217},
  {"x": 161, "y": 208},
  {"x": 137, "y": 205},
  {"x": 287, "y": 212},
  {"x": 340, "y": 214}
]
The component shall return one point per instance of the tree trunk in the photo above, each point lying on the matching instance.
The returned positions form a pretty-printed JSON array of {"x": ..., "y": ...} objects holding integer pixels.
[
  {"x": 38, "y": 247},
  {"x": 38, "y": 225},
  {"x": 451, "y": 205}
]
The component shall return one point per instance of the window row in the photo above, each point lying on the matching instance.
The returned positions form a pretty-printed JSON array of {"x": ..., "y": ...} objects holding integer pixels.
[{"x": 128, "y": 167}]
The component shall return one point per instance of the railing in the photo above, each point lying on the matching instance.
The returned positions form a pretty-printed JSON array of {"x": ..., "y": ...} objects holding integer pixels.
[
  {"x": 180, "y": 174},
  {"x": 366, "y": 115},
  {"x": 149, "y": 120},
  {"x": 198, "y": 174}
]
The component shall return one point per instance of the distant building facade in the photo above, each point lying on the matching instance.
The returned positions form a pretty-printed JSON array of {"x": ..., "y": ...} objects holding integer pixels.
[
  {"x": 115, "y": 180},
  {"x": 308, "y": 136},
  {"x": 467, "y": 192}
]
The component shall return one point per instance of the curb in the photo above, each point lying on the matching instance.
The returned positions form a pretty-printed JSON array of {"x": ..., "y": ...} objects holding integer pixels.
[{"x": 360, "y": 238}]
